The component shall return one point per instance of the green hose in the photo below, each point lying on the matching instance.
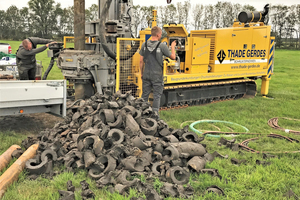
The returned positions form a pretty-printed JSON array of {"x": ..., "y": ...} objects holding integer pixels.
[{"x": 213, "y": 121}]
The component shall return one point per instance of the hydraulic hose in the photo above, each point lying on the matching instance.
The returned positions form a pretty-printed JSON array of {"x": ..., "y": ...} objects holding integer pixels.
[
  {"x": 128, "y": 54},
  {"x": 213, "y": 121},
  {"x": 274, "y": 124},
  {"x": 50, "y": 66},
  {"x": 48, "y": 69},
  {"x": 103, "y": 41}
]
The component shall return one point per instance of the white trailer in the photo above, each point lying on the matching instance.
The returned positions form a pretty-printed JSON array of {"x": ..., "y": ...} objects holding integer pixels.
[{"x": 36, "y": 96}]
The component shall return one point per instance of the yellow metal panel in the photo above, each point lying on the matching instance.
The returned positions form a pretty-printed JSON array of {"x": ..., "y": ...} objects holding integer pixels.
[
  {"x": 118, "y": 66},
  {"x": 201, "y": 48},
  {"x": 260, "y": 38},
  {"x": 154, "y": 14},
  {"x": 65, "y": 40},
  {"x": 247, "y": 51},
  {"x": 188, "y": 54},
  {"x": 211, "y": 34},
  {"x": 260, "y": 41},
  {"x": 196, "y": 69},
  {"x": 222, "y": 42},
  {"x": 241, "y": 39},
  {"x": 177, "y": 30}
]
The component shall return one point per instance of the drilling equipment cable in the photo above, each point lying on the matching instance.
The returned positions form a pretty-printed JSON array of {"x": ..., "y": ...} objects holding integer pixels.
[
  {"x": 213, "y": 133},
  {"x": 274, "y": 124}
]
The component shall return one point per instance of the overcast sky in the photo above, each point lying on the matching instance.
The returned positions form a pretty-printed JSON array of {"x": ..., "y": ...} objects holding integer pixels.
[{"x": 258, "y": 4}]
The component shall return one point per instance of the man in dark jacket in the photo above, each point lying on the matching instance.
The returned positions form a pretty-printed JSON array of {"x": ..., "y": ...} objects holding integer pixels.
[
  {"x": 152, "y": 53},
  {"x": 26, "y": 61}
]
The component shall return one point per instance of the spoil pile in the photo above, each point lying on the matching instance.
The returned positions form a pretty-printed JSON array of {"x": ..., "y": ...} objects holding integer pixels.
[{"x": 116, "y": 138}]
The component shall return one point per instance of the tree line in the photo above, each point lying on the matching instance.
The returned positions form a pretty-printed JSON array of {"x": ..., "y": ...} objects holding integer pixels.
[{"x": 45, "y": 18}]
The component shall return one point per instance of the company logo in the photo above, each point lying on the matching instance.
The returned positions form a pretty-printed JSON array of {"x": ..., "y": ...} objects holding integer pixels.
[{"x": 221, "y": 56}]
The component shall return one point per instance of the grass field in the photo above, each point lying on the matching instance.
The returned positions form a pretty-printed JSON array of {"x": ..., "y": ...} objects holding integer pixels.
[{"x": 247, "y": 181}]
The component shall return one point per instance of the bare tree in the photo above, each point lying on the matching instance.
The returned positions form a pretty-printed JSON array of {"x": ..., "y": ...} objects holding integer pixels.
[
  {"x": 205, "y": 21},
  {"x": 183, "y": 10},
  {"x": 137, "y": 12},
  {"x": 278, "y": 14},
  {"x": 91, "y": 14},
  {"x": 218, "y": 15},
  {"x": 167, "y": 14},
  {"x": 290, "y": 22},
  {"x": 197, "y": 13},
  {"x": 147, "y": 17},
  {"x": 228, "y": 14}
]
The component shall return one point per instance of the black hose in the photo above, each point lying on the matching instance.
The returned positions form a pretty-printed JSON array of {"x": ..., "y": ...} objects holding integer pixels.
[
  {"x": 109, "y": 52},
  {"x": 129, "y": 14},
  {"x": 48, "y": 69},
  {"x": 128, "y": 54},
  {"x": 103, "y": 41},
  {"x": 50, "y": 66}
]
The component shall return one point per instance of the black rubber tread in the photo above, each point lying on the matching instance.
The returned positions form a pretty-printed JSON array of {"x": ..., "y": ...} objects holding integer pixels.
[
  {"x": 116, "y": 136},
  {"x": 156, "y": 168},
  {"x": 170, "y": 153},
  {"x": 107, "y": 115},
  {"x": 215, "y": 189},
  {"x": 172, "y": 178},
  {"x": 138, "y": 117},
  {"x": 139, "y": 143},
  {"x": 206, "y": 92},
  {"x": 193, "y": 149},
  {"x": 109, "y": 162},
  {"x": 34, "y": 168},
  {"x": 149, "y": 126},
  {"x": 130, "y": 109},
  {"x": 196, "y": 163},
  {"x": 190, "y": 137},
  {"x": 50, "y": 154},
  {"x": 124, "y": 178},
  {"x": 89, "y": 158},
  {"x": 118, "y": 123}
]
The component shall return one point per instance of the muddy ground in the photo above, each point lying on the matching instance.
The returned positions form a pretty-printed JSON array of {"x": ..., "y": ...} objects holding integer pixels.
[{"x": 29, "y": 123}]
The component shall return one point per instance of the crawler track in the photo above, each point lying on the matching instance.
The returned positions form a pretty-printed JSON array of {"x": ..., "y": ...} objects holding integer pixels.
[{"x": 185, "y": 95}]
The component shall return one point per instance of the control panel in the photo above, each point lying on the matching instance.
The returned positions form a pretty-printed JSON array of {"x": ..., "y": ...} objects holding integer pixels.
[{"x": 180, "y": 43}]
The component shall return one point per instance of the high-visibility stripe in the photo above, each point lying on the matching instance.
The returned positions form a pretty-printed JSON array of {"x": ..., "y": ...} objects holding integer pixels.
[{"x": 271, "y": 58}]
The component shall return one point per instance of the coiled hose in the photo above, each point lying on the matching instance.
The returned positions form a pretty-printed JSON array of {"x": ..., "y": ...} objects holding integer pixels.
[
  {"x": 274, "y": 124},
  {"x": 213, "y": 121}
]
